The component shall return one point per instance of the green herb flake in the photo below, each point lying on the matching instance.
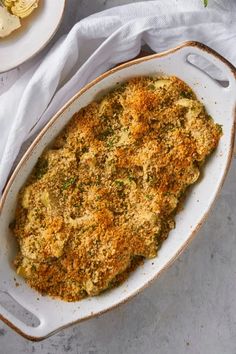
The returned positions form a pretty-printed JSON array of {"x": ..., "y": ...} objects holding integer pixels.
[
  {"x": 122, "y": 87},
  {"x": 105, "y": 134},
  {"x": 185, "y": 94},
  {"x": 149, "y": 197},
  {"x": 167, "y": 194},
  {"x": 77, "y": 206},
  {"x": 151, "y": 179},
  {"x": 131, "y": 178},
  {"x": 151, "y": 87},
  {"x": 119, "y": 183},
  {"x": 68, "y": 183},
  {"x": 110, "y": 143},
  {"x": 41, "y": 168},
  {"x": 220, "y": 128},
  {"x": 104, "y": 118},
  {"x": 85, "y": 149},
  {"x": 98, "y": 180},
  {"x": 117, "y": 107},
  {"x": 81, "y": 187}
]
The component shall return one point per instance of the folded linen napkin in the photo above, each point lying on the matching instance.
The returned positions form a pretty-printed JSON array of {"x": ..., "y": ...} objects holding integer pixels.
[{"x": 96, "y": 44}]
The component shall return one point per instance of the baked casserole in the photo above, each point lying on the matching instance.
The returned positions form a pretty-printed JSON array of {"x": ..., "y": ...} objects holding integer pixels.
[{"x": 104, "y": 195}]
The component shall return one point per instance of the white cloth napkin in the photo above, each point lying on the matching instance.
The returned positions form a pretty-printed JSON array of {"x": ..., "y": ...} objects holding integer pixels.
[{"x": 94, "y": 45}]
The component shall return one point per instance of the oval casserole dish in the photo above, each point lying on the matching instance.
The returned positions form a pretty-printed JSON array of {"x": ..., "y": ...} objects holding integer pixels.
[{"x": 220, "y": 104}]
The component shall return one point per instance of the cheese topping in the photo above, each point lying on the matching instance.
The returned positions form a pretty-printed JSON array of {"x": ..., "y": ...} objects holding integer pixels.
[{"x": 104, "y": 195}]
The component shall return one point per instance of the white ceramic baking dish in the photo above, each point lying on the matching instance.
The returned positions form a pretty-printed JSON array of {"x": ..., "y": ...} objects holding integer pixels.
[{"x": 220, "y": 103}]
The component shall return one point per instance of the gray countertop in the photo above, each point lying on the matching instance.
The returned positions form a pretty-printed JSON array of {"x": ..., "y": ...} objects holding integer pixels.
[{"x": 190, "y": 308}]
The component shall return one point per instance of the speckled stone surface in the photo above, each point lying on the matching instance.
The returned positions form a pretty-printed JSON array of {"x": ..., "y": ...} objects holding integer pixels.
[{"x": 190, "y": 309}]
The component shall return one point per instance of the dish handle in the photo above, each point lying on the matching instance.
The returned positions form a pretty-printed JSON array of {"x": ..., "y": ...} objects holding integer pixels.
[
  {"x": 34, "y": 332},
  {"x": 211, "y": 57}
]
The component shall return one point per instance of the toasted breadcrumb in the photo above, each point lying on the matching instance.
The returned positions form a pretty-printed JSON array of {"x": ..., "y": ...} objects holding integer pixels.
[{"x": 104, "y": 195}]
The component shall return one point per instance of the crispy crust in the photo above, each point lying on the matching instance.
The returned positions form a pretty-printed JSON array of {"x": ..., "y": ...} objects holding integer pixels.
[{"x": 105, "y": 193}]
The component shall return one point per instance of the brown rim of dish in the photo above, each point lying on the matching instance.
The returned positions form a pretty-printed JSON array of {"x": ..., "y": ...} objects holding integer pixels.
[
  {"x": 27, "y": 154},
  {"x": 43, "y": 45}
]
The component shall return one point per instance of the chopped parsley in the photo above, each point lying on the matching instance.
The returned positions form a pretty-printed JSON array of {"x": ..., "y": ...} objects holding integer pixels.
[
  {"x": 105, "y": 134},
  {"x": 131, "y": 178},
  {"x": 119, "y": 184},
  {"x": 121, "y": 88},
  {"x": 41, "y": 168},
  {"x": 104, "y": 118},
  {"x": 68, "y": 183},
  {"x": 151, "y": 87},
  {"x": 110, "y": 143},
  {"x": 85, "y": 149},
  {"x": 151, "y": 178},
  {"x": 149, "y": 197},
  {"x": 81, "y": 187},
  {"x": 220, "y": 128},
  {"x": 185, "y": 94}
]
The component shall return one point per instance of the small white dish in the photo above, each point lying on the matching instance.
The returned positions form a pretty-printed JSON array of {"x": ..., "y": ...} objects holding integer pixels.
[
  {"x": 35, "y": 32},
  {"x": 219, "y": 101}
]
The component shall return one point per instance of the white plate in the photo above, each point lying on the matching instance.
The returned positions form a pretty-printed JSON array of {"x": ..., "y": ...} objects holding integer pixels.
[
  {"x": 220, "y": 103},
  {"x": 35, "y": 32}
]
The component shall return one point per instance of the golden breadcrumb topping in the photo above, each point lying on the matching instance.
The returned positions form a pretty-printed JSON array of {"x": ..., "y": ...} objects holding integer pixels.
[{"x": 104, "y": 194}]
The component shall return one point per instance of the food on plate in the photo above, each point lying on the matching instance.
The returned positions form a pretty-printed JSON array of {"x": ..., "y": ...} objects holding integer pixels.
[
  {"x": 103, "y": 196},
  {"x": 12, "y": 11},
  {"x": 23, "y": 8},
  {"x": 8, "y": 3},
  {"x": 8, "y": 22}
]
